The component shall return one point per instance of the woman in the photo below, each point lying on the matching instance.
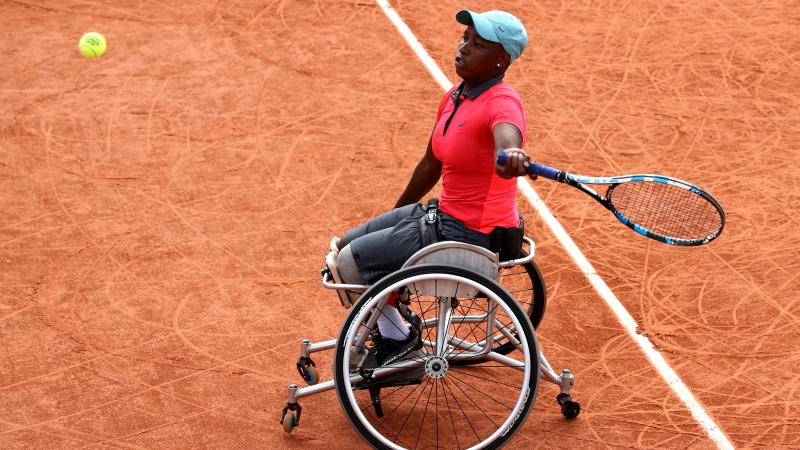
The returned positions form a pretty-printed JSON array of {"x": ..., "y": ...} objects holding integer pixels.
[{"x": 476, "y": 120}]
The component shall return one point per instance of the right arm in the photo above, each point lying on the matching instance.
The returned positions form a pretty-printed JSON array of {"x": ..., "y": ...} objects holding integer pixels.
[{"x": 424, "y": 178}]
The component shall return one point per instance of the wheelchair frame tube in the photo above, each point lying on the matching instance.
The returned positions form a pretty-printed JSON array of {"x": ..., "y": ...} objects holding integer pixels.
[
  {"x": 524, "y": 260},
  {"x": 443, "y": 326},
  {"x": 505, "y": 360},
  {"x": 310, "y": 390},
  {"x": 483, "y": 349},
  {"x": 326, "y": 281},
  {"x": 462, "y": 319},
  {"x": 371, "y": 324},
  {"x": 480, "y": 319},
  {"x": 547, "y": 370},
  {"x": 506, "y": 333},
  {"x": 307, "y": 347},
  {"x": 472, "y": 319}
]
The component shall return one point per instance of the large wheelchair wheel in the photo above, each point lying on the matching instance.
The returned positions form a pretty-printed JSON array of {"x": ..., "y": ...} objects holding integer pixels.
[
  {"x": 526, "y": 284},
  {"x": 426, "y": 399}
]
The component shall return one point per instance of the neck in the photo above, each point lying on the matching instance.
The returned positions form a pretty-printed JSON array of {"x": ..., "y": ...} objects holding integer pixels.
[{"x": 472, "y": 82}]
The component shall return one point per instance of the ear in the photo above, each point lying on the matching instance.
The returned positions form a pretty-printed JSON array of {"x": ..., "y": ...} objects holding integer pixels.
[{"x": 504, "y": 61}]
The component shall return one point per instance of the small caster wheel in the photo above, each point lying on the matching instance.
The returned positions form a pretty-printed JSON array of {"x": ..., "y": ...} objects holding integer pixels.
[
  {"x": 569, "y": 407},
  {"x": 308, "y": 370},
  {"x": 290, "y": 415},
  {"x": 289, "y": 421},
  {"x": 310, "y": 375}
]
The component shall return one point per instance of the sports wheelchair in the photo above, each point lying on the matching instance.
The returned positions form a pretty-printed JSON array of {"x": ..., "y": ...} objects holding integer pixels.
[{"x": 474, "y": 380}]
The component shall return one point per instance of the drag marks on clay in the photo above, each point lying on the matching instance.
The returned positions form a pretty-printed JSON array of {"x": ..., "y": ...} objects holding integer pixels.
[
  {"x": 728, "y": 311},
  {"x": 132, "y": 409},
  {"x": 601, "y": 116},
  {"x": 220, "y": 211},
  {"x": 149, "y": 134},
  {"x": 619, "y": 401},
  {"x": 45, "y": 437},
  {"x": 66, "y": 327},
  {"x": 15, "y": 312},
  {"x": 126, "y": 369},
  {"x": 116, "y": 287}
]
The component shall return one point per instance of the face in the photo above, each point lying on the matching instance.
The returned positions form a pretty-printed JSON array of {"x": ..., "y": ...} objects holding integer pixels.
[{"x": 477, "y": 58}]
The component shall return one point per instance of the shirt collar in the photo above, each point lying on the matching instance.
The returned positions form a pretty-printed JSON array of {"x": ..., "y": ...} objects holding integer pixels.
[{"x": 475, "y": 91}]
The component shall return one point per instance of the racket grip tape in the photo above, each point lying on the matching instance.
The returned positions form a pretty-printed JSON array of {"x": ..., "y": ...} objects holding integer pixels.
[{"x": 533, "y": 168}]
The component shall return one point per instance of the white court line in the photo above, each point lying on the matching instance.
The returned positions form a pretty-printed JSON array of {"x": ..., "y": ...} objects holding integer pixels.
[{"x": 656, "y": 358}]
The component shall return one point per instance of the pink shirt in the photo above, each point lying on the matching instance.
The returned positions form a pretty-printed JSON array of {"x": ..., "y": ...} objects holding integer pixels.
[{"x": 471, "y": 190}]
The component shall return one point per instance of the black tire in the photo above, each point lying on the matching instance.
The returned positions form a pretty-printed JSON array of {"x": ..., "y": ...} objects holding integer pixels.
[
  {"x": 458, "y": 385},
  {"x": 533, "y": 296}
]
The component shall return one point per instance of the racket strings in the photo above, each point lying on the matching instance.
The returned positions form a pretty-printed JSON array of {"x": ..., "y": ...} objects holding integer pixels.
[{"x": 666, "y": 209}]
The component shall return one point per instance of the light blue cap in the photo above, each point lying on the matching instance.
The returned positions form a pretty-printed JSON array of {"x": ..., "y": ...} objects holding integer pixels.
[{"x": 497, "y": 26}]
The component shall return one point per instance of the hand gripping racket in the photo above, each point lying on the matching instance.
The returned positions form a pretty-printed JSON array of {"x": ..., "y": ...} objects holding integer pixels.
[{"x": 659, "y": 207}]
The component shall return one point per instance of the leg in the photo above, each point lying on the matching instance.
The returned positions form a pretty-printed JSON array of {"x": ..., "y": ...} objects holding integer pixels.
[
  {"x": 384, "y": 244},
  {"x": 385, "y": 220},
  {"x": 390, "y": 322},
  {"x": 341, "y": 261},
  {"x": 348, "y": 270}
]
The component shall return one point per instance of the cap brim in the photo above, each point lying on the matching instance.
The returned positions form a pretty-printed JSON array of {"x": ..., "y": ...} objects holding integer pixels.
[{"x": 481, "y": 24}]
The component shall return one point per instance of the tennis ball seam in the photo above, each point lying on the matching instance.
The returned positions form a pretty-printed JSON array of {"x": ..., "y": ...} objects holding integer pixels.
[
  {"x": 84, "y": 48},
  {"x": 92, "y": 45}
]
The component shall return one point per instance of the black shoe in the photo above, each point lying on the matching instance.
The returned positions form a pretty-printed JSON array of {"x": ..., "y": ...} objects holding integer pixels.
[
  {"x": 410, "y": 317},
  {"x": 385, "y": 351}
]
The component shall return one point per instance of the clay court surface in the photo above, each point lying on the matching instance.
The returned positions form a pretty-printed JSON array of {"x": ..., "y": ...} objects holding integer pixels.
[{"x": 166, "y": 211}]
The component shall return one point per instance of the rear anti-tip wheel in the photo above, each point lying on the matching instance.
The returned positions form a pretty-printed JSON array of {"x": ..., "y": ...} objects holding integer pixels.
[{"x": 569, "y": 407}]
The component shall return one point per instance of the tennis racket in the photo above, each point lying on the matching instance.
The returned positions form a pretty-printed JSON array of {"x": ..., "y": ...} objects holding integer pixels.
[{"x": 659, "y": 207}]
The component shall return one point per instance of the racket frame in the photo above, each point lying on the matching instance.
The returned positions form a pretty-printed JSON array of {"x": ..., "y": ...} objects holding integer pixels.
[{"x": 580, "y": 182}]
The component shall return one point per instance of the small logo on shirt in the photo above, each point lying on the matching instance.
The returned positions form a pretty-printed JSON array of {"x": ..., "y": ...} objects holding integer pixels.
[{"x": 461, "y": 125}]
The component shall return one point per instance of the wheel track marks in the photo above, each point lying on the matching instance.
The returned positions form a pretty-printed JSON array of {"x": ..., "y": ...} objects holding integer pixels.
[
  {"x": 150, "y": 116},
  {"x": 159, "y": 388},
  {"x": 592, "y": 130}
]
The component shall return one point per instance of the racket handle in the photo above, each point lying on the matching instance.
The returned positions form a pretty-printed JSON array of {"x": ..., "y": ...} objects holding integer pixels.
[
  {"x": 534, "y": 168},
  {"x": 548, "y": 172}
]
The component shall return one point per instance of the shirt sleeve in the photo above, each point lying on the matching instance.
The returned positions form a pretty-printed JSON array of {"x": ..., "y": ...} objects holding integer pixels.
[{"x": 505, "y": 107}]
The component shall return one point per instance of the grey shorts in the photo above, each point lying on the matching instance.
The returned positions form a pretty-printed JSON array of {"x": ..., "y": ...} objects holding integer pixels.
[{"x": 381, "y": 245}]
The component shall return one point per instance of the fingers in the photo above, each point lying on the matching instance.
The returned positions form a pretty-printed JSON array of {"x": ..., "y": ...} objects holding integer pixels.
[{"x": 517, "y": 162}]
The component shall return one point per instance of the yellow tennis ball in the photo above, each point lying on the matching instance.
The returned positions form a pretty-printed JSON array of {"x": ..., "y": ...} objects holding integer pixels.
[{"x": 92, "y": 45}]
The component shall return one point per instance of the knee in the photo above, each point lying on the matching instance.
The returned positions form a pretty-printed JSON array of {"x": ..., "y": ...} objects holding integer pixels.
[{"x": 348, "y": 270}]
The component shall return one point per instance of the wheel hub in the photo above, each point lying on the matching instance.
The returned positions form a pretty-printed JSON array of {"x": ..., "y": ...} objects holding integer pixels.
[{"x": 436, "y": 367}]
